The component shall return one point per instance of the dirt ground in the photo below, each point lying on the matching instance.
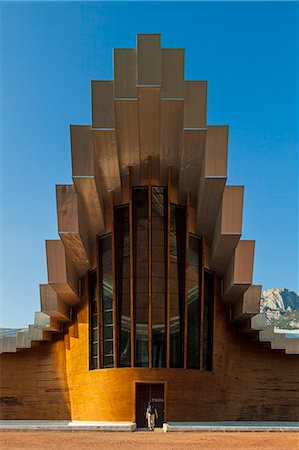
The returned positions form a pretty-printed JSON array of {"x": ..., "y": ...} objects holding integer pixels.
[{"x": 78, "y": 440}]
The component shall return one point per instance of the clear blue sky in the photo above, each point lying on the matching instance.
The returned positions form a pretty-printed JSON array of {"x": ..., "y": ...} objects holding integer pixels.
[{"x": 248, "y": 52}]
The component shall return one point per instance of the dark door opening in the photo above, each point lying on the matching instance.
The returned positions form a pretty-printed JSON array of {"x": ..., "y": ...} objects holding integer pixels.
[{"x": 144, "y": 393}]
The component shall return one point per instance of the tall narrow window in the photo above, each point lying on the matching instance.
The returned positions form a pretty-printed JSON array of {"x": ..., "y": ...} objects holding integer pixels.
[
  {"x": 207, "y": 344},
  {"x": 140, "y": 239},
  {"x": 194, "y": 301},
  {"x": 122, "y": 279},
  {"x": 106, "y": 293},
  {"x": 93, "y": 321},
  {"x": 159, "y": 279},
  {"x": 177, "y": 284}
]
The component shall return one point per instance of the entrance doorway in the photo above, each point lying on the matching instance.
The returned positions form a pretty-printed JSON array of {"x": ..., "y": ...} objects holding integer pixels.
[{"x": 146, "y": 392}]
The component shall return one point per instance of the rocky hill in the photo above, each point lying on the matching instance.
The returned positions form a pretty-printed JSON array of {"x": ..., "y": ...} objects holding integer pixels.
[{"x": 281, "y": 307}]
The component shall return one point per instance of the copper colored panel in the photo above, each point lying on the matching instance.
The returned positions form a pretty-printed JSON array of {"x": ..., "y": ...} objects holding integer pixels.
[
  {"x": 149, "y": 59},
  {"x": 252, "y": 299},
  {"x": 56, "y": 263},
  {"x": 222, "y": 249},
  {"x": 127, "y": 133},
  {"x": 228, "y": 228},
  {"x": 76, "y": 250},
  {"x": 102, "y": 104},
  {"x": 249, "y": 305},
  {"x": 210, "y": 191},
  {"x": 243, "y": 265},
  {"x": 292, "y": 346},
  {"x": 52, "y": 304},
  {"x": 173, "y": 73},
  {"x": 232, "y": 208},
  {"x": 61, "y": 272},
  {"x": 106, "y": 158},
  {"x": 238, "y": 276},
  {"x": 216, "y": 151},
  {"x": 81, "y": 150},
  {"x": 67, "y": 208},
  {"x": 125, "y": 73},
  {"x": 91, "y": 216},
  {"x": 195, "y": 104},
  {"x": 193, "y": 148},
  {"x": 73, "y": 236},
  {"x": 278, "y": 342},
  {"x": 149, "y": 128},
  {"x": 172, "y": 116}
]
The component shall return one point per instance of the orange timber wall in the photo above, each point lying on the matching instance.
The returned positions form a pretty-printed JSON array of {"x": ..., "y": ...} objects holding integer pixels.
[{"x": 249, "y": 381}]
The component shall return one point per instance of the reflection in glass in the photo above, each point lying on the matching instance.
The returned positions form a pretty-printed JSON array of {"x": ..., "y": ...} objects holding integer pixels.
[
  {"x": 159, "y": 279},
  {"x": 177, "y": 284},
  {"x": 140, "y": 239},
  {"x": 207, "y": 344},
  {"x": 106, "y": 295},
  {"x": 122, "y": 279},
  {"x": 194, "y": 301},
  {"x": 93, "y": 321}
]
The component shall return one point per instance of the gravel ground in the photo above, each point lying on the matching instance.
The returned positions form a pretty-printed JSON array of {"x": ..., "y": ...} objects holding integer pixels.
[{"x": 44, "y": 440}]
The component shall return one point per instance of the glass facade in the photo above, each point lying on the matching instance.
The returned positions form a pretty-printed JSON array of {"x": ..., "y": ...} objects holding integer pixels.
[
  {"x": 141, "y": 269},
  {"x": 177, "y": 284},
  {"x": 122, "y": 283},
  {"x": 159, "y": 278},
  {"x": 141, "y": 316},
  {"x": 106, "y": 297},
  {"x": 93, "y": 320},
  {"x": 194, "y": 301}
]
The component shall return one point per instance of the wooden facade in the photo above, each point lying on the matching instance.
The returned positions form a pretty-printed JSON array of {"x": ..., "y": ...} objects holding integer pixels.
[{"x": 149, "y": 131}]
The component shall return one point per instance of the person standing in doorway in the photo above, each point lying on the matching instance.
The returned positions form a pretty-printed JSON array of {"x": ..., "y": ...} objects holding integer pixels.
[{"x": 151, "y": 414}]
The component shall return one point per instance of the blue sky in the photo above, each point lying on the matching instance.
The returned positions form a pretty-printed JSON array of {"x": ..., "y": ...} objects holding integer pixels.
[{"x": 248, "y": 52}]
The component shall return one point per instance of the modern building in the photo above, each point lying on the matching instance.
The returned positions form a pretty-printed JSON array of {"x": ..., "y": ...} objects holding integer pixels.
[{"x": 149, "y": 292}]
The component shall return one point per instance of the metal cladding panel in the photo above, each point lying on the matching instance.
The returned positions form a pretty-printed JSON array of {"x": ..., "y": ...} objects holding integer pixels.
[
  {"x": 22, "y": 339},
  {"x": 267, "y": 335},
  {"x": 278, "y": 342},
  {"x": 243, "y": 263},
  {"x": 232, "y": 208},
  {"x": 125, "y": 73},
  {"x": 67, "y": 208},
  {"x": 106, "y": 158},
  {"x": 127, "y": 134},
  {"x": 252, "y": 299},
  {"x": 76, "y": 251},
  {"x": 102, "y": 104},
  {"x": 68, "y": 227},
  {"x": 91, "y": 215},
  {"x": 238, "y": 276},
  {"x": 52, "y": 305},
  {"x": 249, "y": 304},
  {"x": 292, "y": 346},
  {"x": 209, "y": 197},
  {"x": 172, "y": 117},
  {"x": 9, "y": 344},
  {"x": 149, "y": 109},
  {"x": 45, "y": 322},
  {"x": 195, "y": 104},
  {"x": 173, "y": 85},
  {"x": 221, "y": 250},
  {"x": 149, "y": 59},
  {"x": 228, "y": 228},
  {"x": 61, "y": 272},
  {"x": 56, "y": 262},
  {"x": 81, "y": 150},
  {"x": 216, "y": 151},
  {"x": 259, "y": 322},
  {"x": 192, "y": 156}
]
